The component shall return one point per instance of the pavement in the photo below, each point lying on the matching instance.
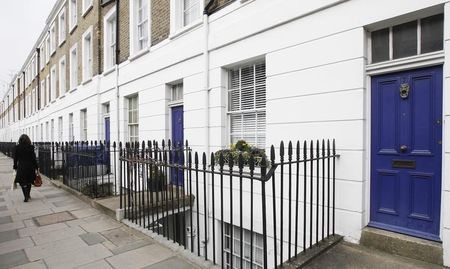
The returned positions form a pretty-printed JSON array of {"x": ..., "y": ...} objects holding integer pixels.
[
  {"x": 351, "y": 256},
  {"x": 57, "y": 230}
]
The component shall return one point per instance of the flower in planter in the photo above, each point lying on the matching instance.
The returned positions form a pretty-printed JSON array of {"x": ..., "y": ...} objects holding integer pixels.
[{"x": 240, "y": 147}]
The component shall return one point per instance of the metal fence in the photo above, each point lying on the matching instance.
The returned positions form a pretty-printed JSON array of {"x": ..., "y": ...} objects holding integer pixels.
[
  {"x": 236, "y": 210},
  {"x": 7, "y": 148}
]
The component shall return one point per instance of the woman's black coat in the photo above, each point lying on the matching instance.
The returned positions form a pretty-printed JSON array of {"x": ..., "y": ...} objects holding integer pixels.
[{"x": 25, "y": 163}]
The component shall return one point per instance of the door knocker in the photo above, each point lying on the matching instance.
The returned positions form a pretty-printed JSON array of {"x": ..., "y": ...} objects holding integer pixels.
[{"x": 404, "y": 90}]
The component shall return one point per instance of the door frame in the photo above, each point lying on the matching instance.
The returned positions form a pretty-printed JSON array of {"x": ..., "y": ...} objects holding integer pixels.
[{"x": 409, "y": 63}]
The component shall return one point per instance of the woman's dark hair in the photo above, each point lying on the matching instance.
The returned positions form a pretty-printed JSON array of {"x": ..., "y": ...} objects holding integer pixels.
[{"x": 24, "y": 140}]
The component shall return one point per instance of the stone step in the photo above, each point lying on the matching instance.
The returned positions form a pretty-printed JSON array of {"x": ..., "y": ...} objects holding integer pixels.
[{"x": 402, "y": 245}]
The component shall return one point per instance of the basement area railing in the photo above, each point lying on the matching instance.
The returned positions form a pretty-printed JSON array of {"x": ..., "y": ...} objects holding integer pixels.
[{"x": 236, "y": 210}]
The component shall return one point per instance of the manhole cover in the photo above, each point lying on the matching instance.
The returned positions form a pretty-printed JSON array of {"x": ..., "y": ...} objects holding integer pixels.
[{"x": 53, "y": 218}]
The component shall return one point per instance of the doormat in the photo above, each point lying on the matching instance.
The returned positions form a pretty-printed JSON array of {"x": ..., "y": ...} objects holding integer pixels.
[{"x": 53, "y": 218}]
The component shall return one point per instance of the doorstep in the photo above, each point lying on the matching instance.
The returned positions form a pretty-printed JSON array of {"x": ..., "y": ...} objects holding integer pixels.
[{"x": 402, "y": 245}]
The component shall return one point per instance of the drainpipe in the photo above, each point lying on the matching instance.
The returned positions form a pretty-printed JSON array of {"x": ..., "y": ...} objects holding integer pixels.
[
  {"x": 117, "y": 68},
  {"x": 206, "y": 101}
]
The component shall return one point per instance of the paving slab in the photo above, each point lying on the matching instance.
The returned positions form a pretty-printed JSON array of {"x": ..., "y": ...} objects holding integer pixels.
[
  {"x": 78, "y": 257},
  {"x": 140, "y": 257},
  {"x": 8, "y": 236},
  {"x": 11, "y": 226},
  {"x": 17, "y": 244},
  {"x": 130, "y": 246},
  {"x": 3, "y": 208},
  {"x": 101, "y": 264},
  {"x": 53, "y": 218},
  {"x": 5, "y": 219},
  {"x": 92, "y": 238},
  {"x": 173, "y": 262},
  {"x": 53, "y": 236},
  {"x": 54, "y": 248},
  {"x": 119, "y": 237},
  {"x": 85, "y": 212},
  {"x": 32, "y": 265},
  {"x": 13, "y": 258}
]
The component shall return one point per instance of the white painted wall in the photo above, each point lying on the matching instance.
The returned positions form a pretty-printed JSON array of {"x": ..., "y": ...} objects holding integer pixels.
[{"x": 315, "y": 54}]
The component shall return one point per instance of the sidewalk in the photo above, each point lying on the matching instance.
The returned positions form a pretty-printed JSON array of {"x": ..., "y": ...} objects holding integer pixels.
[{"x": 57, "y": 230}]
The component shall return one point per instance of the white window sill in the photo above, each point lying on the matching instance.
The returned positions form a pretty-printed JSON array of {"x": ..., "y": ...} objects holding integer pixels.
[
  {"x": 109, "y": 70},
  {"x": 61, "y": 43},
  {"x": 138, "y": 54},
  {"x": 53, "y": 52},
  {"x": 62, "y": 96},
  {"x": 86, "y": 11},
  {"x": 72, "y": 28},
  {"x": 185, "y": 29},
  {"x": 53, "y": 101},
  {"x": 86, "y": 81},
  {"x": 73, "y": 89}
]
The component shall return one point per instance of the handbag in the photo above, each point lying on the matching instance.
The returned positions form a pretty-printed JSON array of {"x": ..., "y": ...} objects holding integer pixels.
[{"x": 37, "y": 181}]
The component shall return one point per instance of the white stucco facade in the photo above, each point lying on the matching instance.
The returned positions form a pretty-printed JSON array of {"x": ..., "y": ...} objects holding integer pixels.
[{"x": 318, "y": 86}]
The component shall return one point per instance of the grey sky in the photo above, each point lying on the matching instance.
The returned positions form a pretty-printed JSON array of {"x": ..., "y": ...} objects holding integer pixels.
[{"x": 21, "y": 22}]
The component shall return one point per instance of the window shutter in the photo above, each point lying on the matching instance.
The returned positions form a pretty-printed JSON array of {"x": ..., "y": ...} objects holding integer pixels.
[{"x": 247, "y": 103}]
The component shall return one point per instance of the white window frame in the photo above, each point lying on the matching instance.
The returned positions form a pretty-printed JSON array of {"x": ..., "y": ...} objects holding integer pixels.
[
  {"x": 53, "y": 75},
  {"x": 83, "y": 125},
  {"x": 109, "y": 50},
  {"x": 47, "y": 131},
  {"x": 52, "y": 130},
  {"x": 48, "y": 94},
  {"x": 259, "y": 112},
  {"x": 43, "y": 95},
  {"x": 73, "y": 15},
  {"x": 60, "y": 129},
  {"x": 246, "y": 245},
  {"x": 47, "y": 49},
  {"x": 62, "y": 29},
  {"x": 134, "y": 28},
  {"x": 71, "y": 133},
  {"x": 42, "y": 56},
  {"x": 86, "y": 5},
  {"x": 53, "y": 41},
  {"x": 62, "y": 76},
  {"x": 177, "y": 25},
  {"x": 87, "y": 57},
  {"x": 74, "y": 67},
  {"x": 131, "y": 124}
]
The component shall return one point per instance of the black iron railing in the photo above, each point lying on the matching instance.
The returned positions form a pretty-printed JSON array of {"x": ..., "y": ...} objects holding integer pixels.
[
  {"x": 233, "y": 211},
  {"x": 90, "y": 168},
  {"x": 7, "y": 148}
]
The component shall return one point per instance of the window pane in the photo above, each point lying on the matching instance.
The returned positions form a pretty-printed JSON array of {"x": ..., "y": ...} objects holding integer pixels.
[
  {"x": 432, "y": 33},
  {"x": 380, "y": 45},
  {"x": 405, "y": 39}
]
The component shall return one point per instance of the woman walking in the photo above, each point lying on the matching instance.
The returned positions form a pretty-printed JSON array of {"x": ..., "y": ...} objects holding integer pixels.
[{"x": 25, "y": 164}]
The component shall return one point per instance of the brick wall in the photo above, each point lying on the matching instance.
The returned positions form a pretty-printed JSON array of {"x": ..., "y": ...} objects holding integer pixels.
[{"x": 160, "y": 16}]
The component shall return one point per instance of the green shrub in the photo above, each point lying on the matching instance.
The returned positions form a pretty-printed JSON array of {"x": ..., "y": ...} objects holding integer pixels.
[{"x": 241, "y": 147}]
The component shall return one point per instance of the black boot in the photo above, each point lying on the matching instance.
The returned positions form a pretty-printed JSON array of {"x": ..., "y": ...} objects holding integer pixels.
[{"x": 26, "y": 188}]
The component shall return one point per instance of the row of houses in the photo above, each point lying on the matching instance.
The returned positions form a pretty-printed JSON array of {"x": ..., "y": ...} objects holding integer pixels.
[{"x": 371, "y": 74}]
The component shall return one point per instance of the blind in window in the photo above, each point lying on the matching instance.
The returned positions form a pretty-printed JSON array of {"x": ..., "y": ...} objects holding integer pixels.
[{"x": 247, "y": 104}]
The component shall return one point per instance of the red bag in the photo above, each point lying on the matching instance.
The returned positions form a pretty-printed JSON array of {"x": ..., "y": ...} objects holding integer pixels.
[{"x": 37, "y": 181}]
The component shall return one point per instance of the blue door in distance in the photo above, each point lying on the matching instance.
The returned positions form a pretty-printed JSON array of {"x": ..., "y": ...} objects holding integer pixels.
[
  {"x": 107, "y": 130},
  {"x": 176, "y": 175},
  {"x": 406, "y": 152}
]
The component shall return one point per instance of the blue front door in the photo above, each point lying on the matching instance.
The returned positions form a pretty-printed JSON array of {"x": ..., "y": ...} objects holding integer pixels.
[
  {"x": 406, "y": 152},
  {"x": 177, "y": 153},
  {"x": 107, "y": 130}
]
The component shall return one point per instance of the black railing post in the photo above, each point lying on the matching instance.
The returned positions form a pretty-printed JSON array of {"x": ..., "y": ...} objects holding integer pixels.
[{"x": 264, "y": 209}]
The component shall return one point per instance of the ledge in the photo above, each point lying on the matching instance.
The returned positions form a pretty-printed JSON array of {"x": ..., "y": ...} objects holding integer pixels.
[
  {"x": 86, "y": 81},
  {"x": 73, "y": 29},
  {"x": 185, "y": 29},
  {"x": 138, "y": 54},
  {"x": 84, "y": 13}
]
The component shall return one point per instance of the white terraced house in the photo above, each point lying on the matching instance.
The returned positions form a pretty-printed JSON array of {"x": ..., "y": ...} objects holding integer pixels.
[{"x": 372, "y": 75}]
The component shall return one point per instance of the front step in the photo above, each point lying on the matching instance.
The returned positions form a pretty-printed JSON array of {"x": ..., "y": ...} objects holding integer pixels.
[{"x": 402, "y": 245}]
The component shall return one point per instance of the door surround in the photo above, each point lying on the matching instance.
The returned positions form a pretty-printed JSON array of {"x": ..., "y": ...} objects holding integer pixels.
[{"x": 404, "y": 64}]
